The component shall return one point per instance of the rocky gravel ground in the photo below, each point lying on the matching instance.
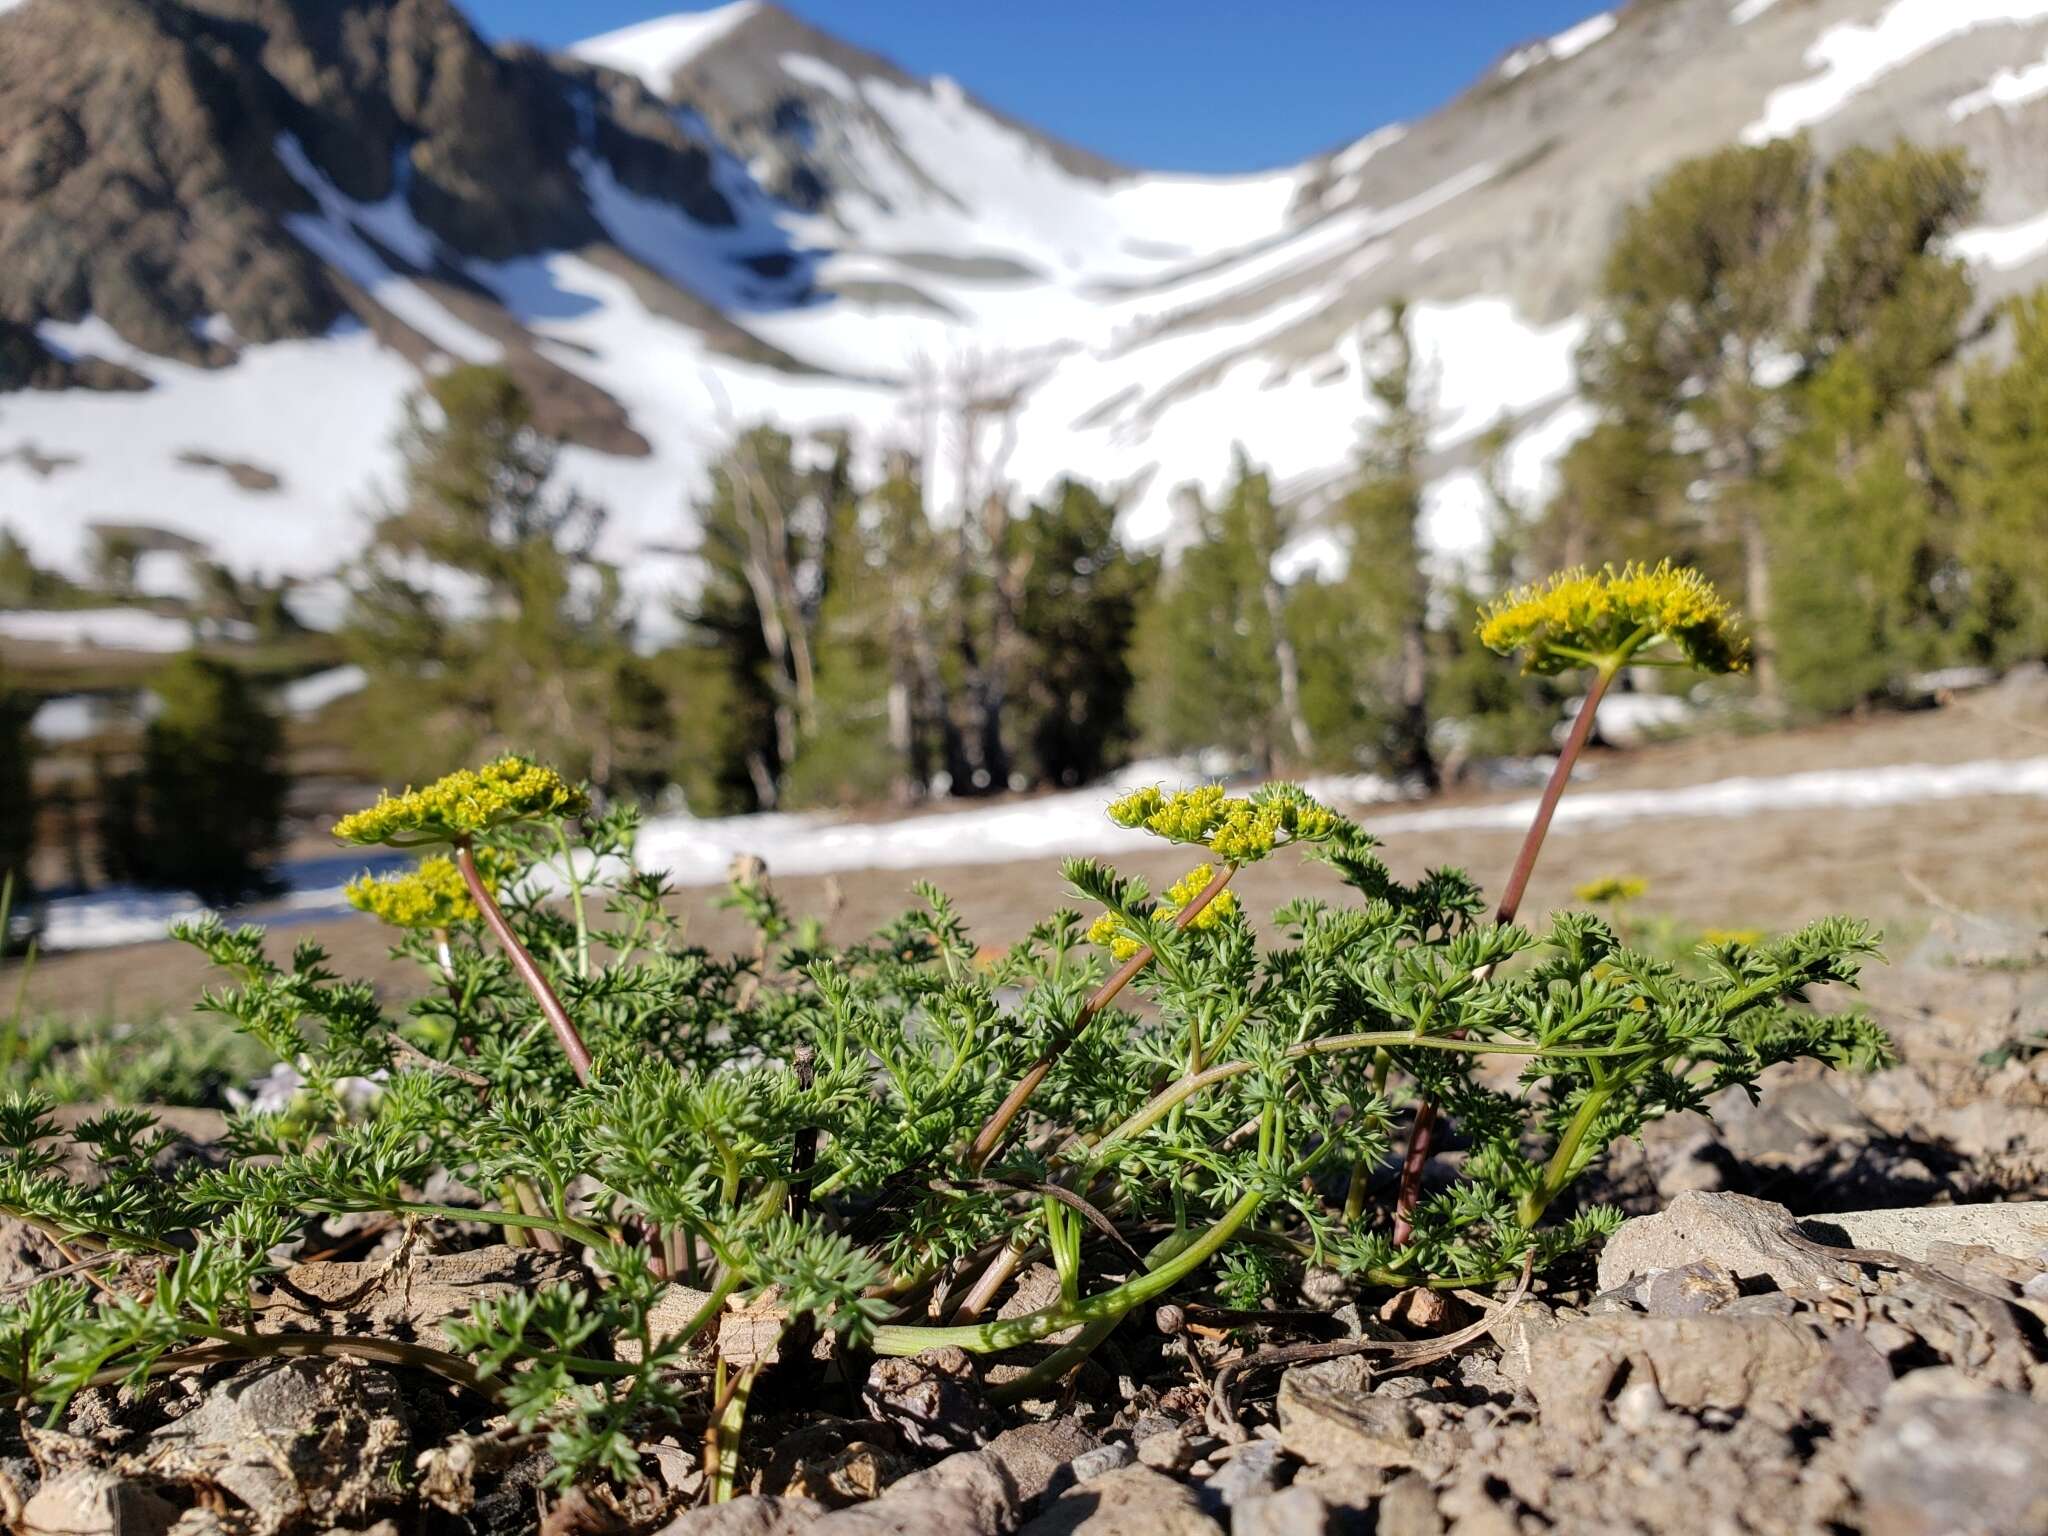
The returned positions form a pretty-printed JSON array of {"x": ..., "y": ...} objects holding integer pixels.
[{"x": 1830, "y": 1317}]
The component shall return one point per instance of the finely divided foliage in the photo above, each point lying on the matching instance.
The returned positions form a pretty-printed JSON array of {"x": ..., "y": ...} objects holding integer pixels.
[{"x": 1147, "y": 1091}]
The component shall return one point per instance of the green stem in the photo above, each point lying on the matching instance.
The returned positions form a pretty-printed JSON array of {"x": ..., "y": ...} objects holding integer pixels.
[
  {"x": 589, "y": 1236},
  {"x": 575, "y": 880},
  {"x": 1557, "y": 1173},
  {"x": 1106, "y": 1306}
]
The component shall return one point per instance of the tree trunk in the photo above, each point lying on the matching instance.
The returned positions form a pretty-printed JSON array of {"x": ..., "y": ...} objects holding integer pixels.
[
  {"x": 1415, "y": 705},
  {"x": 1756, "y": 573},
  {"x": 1289, "y": 665}
]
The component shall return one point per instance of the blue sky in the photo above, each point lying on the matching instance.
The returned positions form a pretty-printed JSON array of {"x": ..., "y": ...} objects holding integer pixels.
[{"x": 1193, "y": 85}]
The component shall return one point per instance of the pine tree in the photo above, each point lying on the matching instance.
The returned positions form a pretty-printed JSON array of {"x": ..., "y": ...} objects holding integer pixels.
[
  {"x": 1210, "y": 649},
  {"x": 1080, "y": 595},
  {"x": 520, "y": 637},
  {"x": 205, "y": 807},
  {"x": 1375, "y": 634},
  {"x": 764, "y": 539},
  {"x": 17, "y": 791},
  {"x": 1701, "y": 297},
  {"x": 1996, "y": 454}
]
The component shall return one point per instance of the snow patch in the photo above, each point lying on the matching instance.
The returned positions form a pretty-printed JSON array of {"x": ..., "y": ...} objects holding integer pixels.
[
  {"x": 655, "y": 50},
  {"x": 100, "y": 629},
  {"x": 2007, "y": 88},
  {"x": 1749, "y": 10},
  {"x": 1572, "y": 40},
  {"x": 1851, "y": 57},
  {"x": 2002, "y": 247},
  {"x": 308, "y": 695}
]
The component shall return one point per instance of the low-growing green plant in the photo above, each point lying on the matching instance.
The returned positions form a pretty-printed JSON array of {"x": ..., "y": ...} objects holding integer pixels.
[{"x": 869, "y": 1139}]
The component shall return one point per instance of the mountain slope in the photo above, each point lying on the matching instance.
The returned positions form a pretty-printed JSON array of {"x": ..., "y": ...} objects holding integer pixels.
[{"x": 273, "y": 214}]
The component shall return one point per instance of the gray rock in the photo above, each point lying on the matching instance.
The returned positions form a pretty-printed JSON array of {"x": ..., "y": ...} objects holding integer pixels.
[
  {"x": 1252, "y": 1472},
  {"x": 291, "y": 1439},
  {"x": 974, "y": 1493},
  {"x": 1104, "y": 1458},
  {"x": 932, "y": 1400},
  {"x": 1290, "y": 1512},
  {"x": 1955, "y": 1466},
  {"x": 1170, "y": 1452},
  {"x": 1743, "y": 1236},
  {"x": 1689, "y": 1289},
  {"x": 1133, "y": 1501},
  {"x": 2018, "y": 1229},
  {"x": 95, "y": 1503},
  {"x": 1326, "y": 1417},
  {"x": 1762, "y": 1365},
  {"x": 751, "y": 1514}
]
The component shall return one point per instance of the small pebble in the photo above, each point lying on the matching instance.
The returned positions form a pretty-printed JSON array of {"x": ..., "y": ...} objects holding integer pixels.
[
  {"x": 1103, "y": 1459},
  {"x": 1639, "y": 1405},
  {"x": 1166, "y": 1452}
]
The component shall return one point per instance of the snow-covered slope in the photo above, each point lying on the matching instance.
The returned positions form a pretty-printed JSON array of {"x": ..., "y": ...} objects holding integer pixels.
[{"x": 824, "y": 240}]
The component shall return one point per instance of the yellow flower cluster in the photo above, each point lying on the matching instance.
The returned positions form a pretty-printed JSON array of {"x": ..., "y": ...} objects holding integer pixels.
[
  {"x": 1108, "y": 930},
  {"x": 1577, "y": 618},
  {"x": 464, "y": 803},
  {"x": 431, "y": 894},
  {"x": 1234, "y": 828},
  {"x": 1743, "y": 936},
  {"x": 1612, "y": 888}
]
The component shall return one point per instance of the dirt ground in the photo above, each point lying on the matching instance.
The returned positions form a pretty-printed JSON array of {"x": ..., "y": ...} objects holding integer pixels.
[{"x": 1904, "y": 866}]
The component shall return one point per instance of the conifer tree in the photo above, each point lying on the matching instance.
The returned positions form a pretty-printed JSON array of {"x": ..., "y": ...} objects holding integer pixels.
[
  {"x": 1080, "y": 596},
  {"x": 1996, "y": 456},
  {"x": 482, "y": 612},
  {"x": 1375, "y": 634},
  {"x": 1701, "y": 296},
  {"x": 17, "y": 794},
  {"x": 206, "y": 805},
  {"x": 764, "y": 540},
  {"x": 1211, "y": 651}
]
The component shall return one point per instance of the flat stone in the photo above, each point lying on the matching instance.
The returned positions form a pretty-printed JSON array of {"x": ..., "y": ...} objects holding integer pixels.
[
  {"x": 1326, "y": 1417},
  {"x": 974, "y": 1493},
  {"x": 1133, "y": 1501},
  {"x": 2018, "y": 1229},
  {"x": 1745, "y": 1237},
  {"x": 1761, "y": 1365},
  {"x": 1955, "y": 1466},
  {"x": 95, "y": 1503},
  {"x": 409, "y": 1300}
]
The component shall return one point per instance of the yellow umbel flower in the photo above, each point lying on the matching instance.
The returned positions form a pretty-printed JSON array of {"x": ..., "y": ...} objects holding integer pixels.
[
  {"x": 1109, "y": 931},
  {"x": 1579, "y": 618},
  {"x": 1236, "y": 828},
  {"x": 464, "y": 803},
  {"x": 1612, "y": 888},
  {"x": 1191, "y": 885},
  {"x": 431, "y": 894},
  {"x": 1743, "y": 937}
]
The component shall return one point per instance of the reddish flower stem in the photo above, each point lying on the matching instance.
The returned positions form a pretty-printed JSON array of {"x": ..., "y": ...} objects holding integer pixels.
[
  {"x": 998, "y": 1124},
  {"x": 550, "y": 1005},
  {"x": 1423, "y": 1131}
]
